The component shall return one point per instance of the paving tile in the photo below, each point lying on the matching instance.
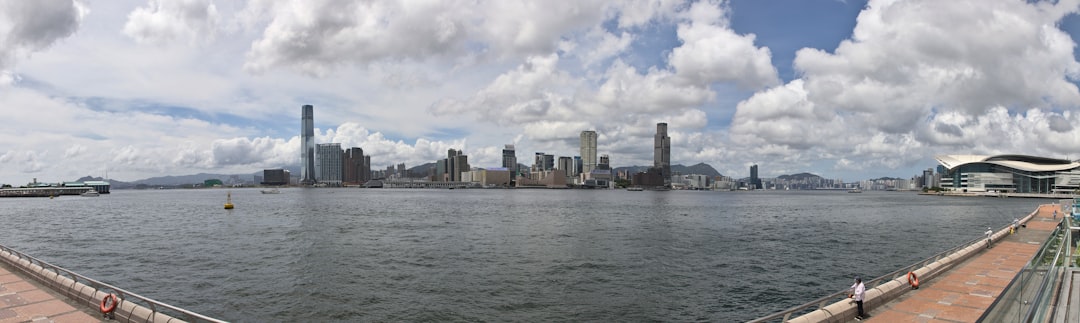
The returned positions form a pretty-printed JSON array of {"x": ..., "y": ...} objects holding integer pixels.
[
  {"x": 19, "y": 286},
  {"x": 75, "y": 317},
  {"x": 46, "y": 308},
  {"x": 964, "y": 292}
]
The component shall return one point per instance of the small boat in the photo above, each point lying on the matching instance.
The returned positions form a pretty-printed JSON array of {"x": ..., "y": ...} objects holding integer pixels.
[
  {"x": 228, "y": 202},
  {"x": 270, "y": 191},
  {"x": 635, "y": 189},
  {"x": 90, "y": 193}
]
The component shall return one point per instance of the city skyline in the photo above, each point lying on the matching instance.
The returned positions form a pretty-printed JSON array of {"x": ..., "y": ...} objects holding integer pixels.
[{"x": 843, "y": 89}]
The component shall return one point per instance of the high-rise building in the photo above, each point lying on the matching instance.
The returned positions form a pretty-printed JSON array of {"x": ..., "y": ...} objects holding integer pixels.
[
  {"x": 604, "y": 163},
  {"x": 588, "y": 150},
  {"x": 566, "y": 166},
  {"x": 578, "y": 165},
  {"x": 509, "y": 160},
  {"x": 328, "y": 159},
  {"x": 355, "y": 171},
  {"x": 456, "y": 162},
  {"x": 755, "y": 182},
  {"x": 307, "y": 145},
  {"x": 461, "y": 165},
  {"x": 662, "y": 152},
  {"x": 543, "y": 162}
]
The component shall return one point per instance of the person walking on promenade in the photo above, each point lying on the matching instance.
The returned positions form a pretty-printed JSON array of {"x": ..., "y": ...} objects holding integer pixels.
[
  {"x": 1016, "y": 224},
  {"x": 1055, "y": 214},
  {"x": 989, "y": 232},
  {"x": 858, "y": 292}
]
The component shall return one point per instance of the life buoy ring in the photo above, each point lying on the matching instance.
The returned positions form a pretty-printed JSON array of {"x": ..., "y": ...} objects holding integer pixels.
[
  {"x": 913, "y": 280},
  {"x": 107, "y": 306}
]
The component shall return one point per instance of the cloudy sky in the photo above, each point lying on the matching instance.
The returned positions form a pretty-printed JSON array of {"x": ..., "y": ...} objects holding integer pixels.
[{"x": 844, "y": 89}]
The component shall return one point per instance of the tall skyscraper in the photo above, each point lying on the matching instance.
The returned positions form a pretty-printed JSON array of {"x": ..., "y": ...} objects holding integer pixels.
[
  {"x": 588, "y": 150},
  {"x": 510, "y": 160},
  {"x": 755, "y": 182},
  {"x": 662, "y": 152},
  {"x": 328, "y": 159},
  {"x": 307, "y": 145}
]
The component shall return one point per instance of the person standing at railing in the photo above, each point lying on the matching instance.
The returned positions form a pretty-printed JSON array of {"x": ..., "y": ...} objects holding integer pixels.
[
  {"x": 989, "y": 232},
  {"x": 858, "y": 292}
]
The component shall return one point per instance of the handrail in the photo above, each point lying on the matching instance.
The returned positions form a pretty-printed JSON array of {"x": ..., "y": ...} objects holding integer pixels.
[
  {"x": 98, "y": 286},
  {"x": 842, "y": 294},
  {"x": 1035, "y": 302}
]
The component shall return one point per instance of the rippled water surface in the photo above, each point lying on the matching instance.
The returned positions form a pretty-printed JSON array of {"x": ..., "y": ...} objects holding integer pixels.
[{"x": 492, "y": 255}]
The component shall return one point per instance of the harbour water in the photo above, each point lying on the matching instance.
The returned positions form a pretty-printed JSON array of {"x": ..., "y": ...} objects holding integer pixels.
[{"x": 492, "y": 255}]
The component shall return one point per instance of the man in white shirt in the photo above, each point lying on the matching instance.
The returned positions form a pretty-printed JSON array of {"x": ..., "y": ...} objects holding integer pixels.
[
  {"x": 858, "y": 291},
  {"x": 989, "y": 232}
]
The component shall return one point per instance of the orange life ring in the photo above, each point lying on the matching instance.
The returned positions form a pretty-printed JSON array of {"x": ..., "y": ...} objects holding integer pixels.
[
  {"x": 913, "y": 280},
  {"x": 106, "y": 306}
]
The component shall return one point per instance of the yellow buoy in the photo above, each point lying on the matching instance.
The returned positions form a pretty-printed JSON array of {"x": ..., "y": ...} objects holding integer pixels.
[{"x": 228, "y": 202}]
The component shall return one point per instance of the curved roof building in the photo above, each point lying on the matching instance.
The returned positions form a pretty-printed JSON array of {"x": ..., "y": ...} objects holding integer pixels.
[{"x": 1009, "y": 173}]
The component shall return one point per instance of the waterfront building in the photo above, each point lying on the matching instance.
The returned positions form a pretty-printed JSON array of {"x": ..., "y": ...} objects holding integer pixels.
[
  {"x": 662, "y": 152},
  {"x": 543, "y": 162},
  {"x": 509, "y": 159},
  {"x": 440, "y": 171},
  {"x": 461, "y": 164},
  {"x": 541, "y": 179},
  {"x": 579, "y": 166},
  {"x": 355, "y": 171},
  {"x": 588, "y": 150},
  {"x": 307, "y": 145},
  {"x": 328, "y": 164},
  {"x": 649, "y": 178},
  {"x": 490, "y": 177},
  {"x": 276, "y": 176},
  {"x": 755, "y": 181},
  {"x": 566, "y": 166},
  {"x": 1009, "y": 174}
]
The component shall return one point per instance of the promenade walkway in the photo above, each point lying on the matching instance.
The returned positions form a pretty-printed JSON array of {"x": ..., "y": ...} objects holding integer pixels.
[
  {"x": 967, "y": 290},
  {"x": 25, "y": 300}
]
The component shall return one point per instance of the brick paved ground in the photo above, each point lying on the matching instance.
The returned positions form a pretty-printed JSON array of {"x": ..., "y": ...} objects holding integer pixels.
[
  {"x": 963, "y": 293},
  {"x": 25, "y": 300}
]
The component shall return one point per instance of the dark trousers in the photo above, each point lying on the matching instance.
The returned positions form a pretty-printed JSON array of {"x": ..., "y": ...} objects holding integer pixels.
[{"x": 861, "y": 313}]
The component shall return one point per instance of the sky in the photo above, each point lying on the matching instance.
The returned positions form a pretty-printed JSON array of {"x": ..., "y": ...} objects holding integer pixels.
[{"x": 848, "y": 90}]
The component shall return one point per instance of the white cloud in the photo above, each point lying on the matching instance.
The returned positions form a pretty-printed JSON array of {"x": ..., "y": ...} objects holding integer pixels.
[
  {"x": 925, "y": 77},
  {"x": 711, "y": 52},
  {"x": 162, "y": 21},
  {"x": 30, "y": 26}
]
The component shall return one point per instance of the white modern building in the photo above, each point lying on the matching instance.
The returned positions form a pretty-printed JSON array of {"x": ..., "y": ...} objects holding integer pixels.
[{"x": 1009, "y": 174}]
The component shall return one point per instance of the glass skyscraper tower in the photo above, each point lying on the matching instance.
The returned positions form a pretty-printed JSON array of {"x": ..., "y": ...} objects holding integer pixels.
[{"x": 307, "y": 145}]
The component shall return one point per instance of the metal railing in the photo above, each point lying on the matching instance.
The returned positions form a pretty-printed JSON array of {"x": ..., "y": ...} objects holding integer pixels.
[
  {"x": 154, "y": 306},
  {"x": 820, "y": 303}
]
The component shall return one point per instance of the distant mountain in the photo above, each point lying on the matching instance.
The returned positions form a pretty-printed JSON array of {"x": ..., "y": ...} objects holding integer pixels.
[
  {"x": 798, "y": 177},
  {"x": 187, "y": 179},
  {"x": 700, "y": 169}
]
